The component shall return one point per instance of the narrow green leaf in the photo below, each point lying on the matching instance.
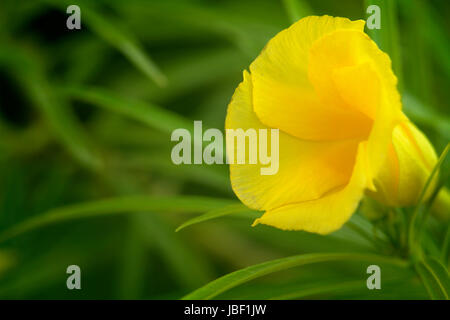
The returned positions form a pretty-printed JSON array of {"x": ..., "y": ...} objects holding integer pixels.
[
  {"x": 217, "y": 213},
  {"x": 115, "y": 206},
  {"x": 426, "y": 116},
  {"x": 446, "y": 246},
  {"x": 236, "y": 278},
  {"x": 414, "y": 226},
  {"x": 322, "y": 288},
  {"x": 149, "y": 114},
  {"x": 248, "y": 31},
  {"x": 125, "y": 44},
  {"x": 387, "y": 37},
  {"x": 62, "y": 121},
  {"x": 187, "y": 264},
  {"x": 7, "y": 260},
  {"x": 119, "y": 39},
  {"x": 202, "y": 174},
  {"x": 432, "y": 28},
  {"x": 133, "y": 263},
  {"x": 435, "y": 278},
  {"x": 296, "y": 9},
  {"x": 55, "y": 110},
  {"x": 441, "y": 273},
  {"x": 392, "y": 33},
  {"x": 30, "y": 75}
]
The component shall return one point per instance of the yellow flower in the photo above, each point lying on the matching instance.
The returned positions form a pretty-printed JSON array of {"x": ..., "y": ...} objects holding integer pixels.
[{"x": 332, "y": 94}]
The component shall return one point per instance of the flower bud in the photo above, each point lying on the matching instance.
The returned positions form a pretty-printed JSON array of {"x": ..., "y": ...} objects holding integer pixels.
[{"x": 408, "y": 165}]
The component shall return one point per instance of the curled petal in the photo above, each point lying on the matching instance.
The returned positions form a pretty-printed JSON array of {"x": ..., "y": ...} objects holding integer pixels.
[
  {"x": 307, "y": 169},
  {"x": 328, "y": 213},
  {"x": 283, "y": 95}
]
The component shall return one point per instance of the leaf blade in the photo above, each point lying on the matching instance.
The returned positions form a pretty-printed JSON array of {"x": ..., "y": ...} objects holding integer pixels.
[
  {"x": 113, "y": 206},
  {"x": 118, "y": 38},
  {"x": 236, "y": 278},
  {"x": 414, "y": 226},
  {"x": 149, "y": 114},
  {"x": 213, "y": 214},
  {"x": 435, "y": 278}
]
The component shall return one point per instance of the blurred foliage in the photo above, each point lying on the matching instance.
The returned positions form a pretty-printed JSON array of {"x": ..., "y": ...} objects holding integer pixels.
[{"x": 85, "y": 170}]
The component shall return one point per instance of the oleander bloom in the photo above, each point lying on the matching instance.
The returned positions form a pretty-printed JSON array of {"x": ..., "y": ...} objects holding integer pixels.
[{"x": 332, "y": 94}]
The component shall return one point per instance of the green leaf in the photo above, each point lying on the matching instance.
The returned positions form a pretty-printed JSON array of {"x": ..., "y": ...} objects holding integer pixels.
[
  {"x": 187, "y": 264},
  {"x": 323, "y": 288},
  {"x": 126, "y": 44},
  {"x": 132, "y": 266},
  {"x": 426, "y": 116},
  {"x": 387, "y": 37},
  {"x": 415, "y": 226},
  {"x": 441, "y": 273},
  {"x": 7, "y": 260},
  {"x": 119, "y": 39},
  {"x": 217, "y": 213},
  {"x": 432, "y": 29},
  {"x": 296, "y": 9},
  {"x": 435, "y": 277},
  {"x": 114, "y": 206},
  {"x": 236, "y": 278},
  {"x": 202, "y": 174},
  {"x": 149, "y": 114},
  {"x": 446, "y": 246},
  {"x": 63, "y": 123}
]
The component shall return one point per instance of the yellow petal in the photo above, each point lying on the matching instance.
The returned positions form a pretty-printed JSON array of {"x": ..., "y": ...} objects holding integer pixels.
[
  {"x": 348, "y": 69},
  {"x": 283, "y": 95},
  {"x": 299, "y": 112},
  {"x": 307, "y": 169},
  {"x": 359, "y": 87},
  {"x": 285, "y": 57},
  {"x": 328, "y": 213},
  {"x": 335, "y": 59}
]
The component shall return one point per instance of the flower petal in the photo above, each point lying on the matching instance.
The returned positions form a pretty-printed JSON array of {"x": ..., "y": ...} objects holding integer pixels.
[
  {"x": 359, "y": 87},
  {"x": 283, "y": 95},
  {"x": 307, "y": 169},
  {"x": 356, "y": 50},
  {"x": 328, "y": 213},
  {"x": 339, "y": 56}
]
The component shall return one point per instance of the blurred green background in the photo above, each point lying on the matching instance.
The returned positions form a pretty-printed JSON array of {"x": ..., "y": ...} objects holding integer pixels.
[{"x": 85, "y": 123}]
